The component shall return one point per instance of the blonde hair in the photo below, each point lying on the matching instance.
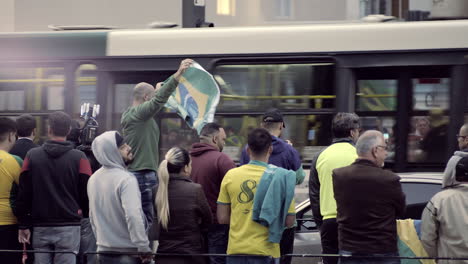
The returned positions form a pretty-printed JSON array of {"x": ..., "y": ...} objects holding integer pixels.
[{"x": 176, "y": 159}]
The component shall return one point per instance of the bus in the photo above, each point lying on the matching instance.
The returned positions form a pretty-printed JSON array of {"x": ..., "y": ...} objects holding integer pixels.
[{"x": 406, "y": 79}]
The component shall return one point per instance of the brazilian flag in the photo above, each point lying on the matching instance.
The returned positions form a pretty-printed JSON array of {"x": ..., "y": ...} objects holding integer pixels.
[
  {"x": 409, "y": 243},
  {"x": 196, "y": 97}
]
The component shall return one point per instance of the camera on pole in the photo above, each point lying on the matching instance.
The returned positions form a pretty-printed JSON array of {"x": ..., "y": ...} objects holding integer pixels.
[{"x": 89, "y": 131}]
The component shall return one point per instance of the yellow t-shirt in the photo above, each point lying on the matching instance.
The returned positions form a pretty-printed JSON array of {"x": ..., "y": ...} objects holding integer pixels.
[
  {"x": 238, "y": 190},
  {"x": 10, "y": 169}
]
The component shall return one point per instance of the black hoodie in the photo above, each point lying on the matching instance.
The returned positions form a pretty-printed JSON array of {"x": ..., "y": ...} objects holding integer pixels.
[{"x": 52, "y": 186}]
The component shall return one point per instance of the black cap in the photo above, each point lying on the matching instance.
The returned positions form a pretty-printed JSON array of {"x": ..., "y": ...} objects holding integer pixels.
[
  {"x": 273, "y": 115},
  {"x": 119, "y": 140}
]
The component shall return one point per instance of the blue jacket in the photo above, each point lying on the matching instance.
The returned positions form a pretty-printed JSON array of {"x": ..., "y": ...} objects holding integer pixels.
[
  {"x": 274, "y": 195},
  {"x": 283, "y": 156}
]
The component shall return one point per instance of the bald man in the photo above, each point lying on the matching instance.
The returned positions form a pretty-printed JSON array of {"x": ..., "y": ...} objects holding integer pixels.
[
  {"x": 142, "y": 133},
  {"x": 369, "y": 200}
]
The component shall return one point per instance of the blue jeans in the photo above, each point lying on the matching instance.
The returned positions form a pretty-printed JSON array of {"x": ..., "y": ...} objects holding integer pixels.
[
  {"x": 117, "y": 259},
  {"x": 218, "y": 236},
  {"x": 56, "y": 238},
  {"x": 146, "y": 181},
  {"x": 87, "y": 242},
  {"x": 252, "y": 260},
  {"x": 361, "y": 258}
]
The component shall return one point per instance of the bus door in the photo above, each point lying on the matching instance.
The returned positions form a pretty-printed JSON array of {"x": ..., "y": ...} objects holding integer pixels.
[{"x": 410, "y": 106}]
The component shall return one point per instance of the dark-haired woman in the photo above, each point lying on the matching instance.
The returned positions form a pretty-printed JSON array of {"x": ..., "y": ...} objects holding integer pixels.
[{"x": 183, "y": 213}]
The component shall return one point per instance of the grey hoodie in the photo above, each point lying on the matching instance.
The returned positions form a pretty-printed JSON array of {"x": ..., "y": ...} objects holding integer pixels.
[
  {"x": 115, "y": 209},
  {"x": 444, "y": 231}
]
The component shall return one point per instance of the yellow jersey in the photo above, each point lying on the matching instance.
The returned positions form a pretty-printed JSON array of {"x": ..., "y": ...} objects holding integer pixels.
[
  {"x": 10, "y": 169},
  {"x": 238, "y": 190}
]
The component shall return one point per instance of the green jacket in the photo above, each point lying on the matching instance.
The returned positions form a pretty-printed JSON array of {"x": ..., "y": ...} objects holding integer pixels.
[{"x": 141, "y": 130}]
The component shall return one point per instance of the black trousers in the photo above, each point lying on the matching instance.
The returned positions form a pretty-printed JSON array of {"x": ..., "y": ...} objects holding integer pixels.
[
  {"x": 329, "y": 238},
  {"x": 287, "y": 245},
  {"x": 9, "y": 240}
]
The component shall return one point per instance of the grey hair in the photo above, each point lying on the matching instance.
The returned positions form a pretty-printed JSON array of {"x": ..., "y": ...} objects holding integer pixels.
[
  {"x": 141, "y": 90},
  {"x": 343, "y": 123},
  {"x": 366, "y": 143}
]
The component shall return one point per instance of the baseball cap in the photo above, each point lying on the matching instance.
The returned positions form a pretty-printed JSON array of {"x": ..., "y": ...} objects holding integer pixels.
[{"x": 273, "y": 115}]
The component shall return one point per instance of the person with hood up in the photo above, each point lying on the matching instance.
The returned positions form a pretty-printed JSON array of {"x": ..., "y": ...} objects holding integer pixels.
[
  {"x": 284, "y": 156},
  {"x": 115, "y": 209},
  {"x": 52, "y": 194},
  {"x": 444, "y": 231},
  {"x": 209, "y": 165},
  {"x": 183, "y": 214}
]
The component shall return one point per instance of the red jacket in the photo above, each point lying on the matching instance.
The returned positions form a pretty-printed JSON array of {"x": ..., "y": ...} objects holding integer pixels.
[{"x": 209, "y": 166}]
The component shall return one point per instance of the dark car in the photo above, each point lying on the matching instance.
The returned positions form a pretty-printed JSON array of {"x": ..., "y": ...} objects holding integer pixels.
[{"x": 418, "y": 187}]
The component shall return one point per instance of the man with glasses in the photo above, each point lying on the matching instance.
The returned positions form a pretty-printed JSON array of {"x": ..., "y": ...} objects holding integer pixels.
[
  {"x": 444, "y": 220},
  {"x": 345, "y": 128},
  {"x": 369, "y": 200}
]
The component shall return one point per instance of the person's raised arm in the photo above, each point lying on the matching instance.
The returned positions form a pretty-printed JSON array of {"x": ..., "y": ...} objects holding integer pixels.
[{"x": 162, "y": 93}]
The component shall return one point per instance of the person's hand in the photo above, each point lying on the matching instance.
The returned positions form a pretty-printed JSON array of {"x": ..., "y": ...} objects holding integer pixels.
[
  {"x": 184, "y": 65},
  {"x": 289, "y": 142},
  {"x": 146, "y": 258},
  {"x": 24, "y": 235}
]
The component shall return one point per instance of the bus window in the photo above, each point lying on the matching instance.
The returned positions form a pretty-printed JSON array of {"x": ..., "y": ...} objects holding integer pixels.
[
  {"x": 308, "y": 133},
  {"x": 12, "y": 100},
  {"x": 252, "y": 87},
  {"x": 384, "y": 124},
  {"x": 85, "y": 83},
  {"x": 376, "y": 104},
  {"x": 36, "y": 90},
  {"x": 175, "y": 132},
  {"x": 123, "y": 97},
  {"x": 376, "y": 95},
  {"x": 431, "y": 93},
  {"x": 427, "y": 139},
  {"x": 31, "y": 89}
]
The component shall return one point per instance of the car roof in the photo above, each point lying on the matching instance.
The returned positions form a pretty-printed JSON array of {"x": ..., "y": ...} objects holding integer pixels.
[{"x": 407, "y": 177}]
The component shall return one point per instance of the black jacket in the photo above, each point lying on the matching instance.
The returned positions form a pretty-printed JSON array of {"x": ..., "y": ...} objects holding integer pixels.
[
  {"x": 369, "y": 200},
  {"x": 22, "y": 146},
  {"x": 189, "y": 217},
  {"x": 52, "y": 186}
]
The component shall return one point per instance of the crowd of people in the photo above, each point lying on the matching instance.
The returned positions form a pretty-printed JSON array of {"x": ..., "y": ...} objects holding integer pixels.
[{"x": 197, "y": 201}]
